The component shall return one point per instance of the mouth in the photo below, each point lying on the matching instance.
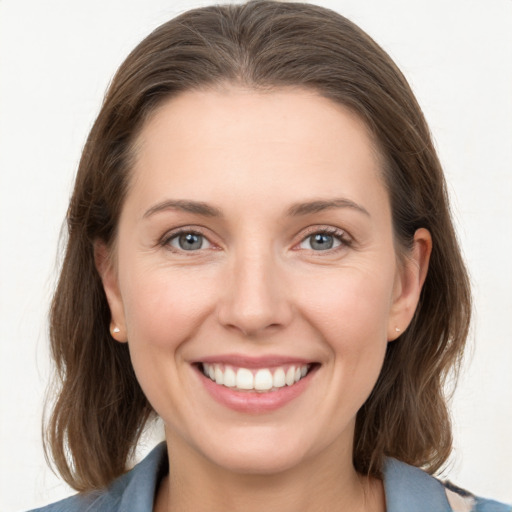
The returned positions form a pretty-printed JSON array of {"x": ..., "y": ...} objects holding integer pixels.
[
  {"x": 255, "y": 385},
  {"x": 259, "y": 380}
]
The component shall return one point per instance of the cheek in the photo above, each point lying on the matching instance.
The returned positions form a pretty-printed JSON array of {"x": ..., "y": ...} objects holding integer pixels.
[
  {"x": 163, "y": 311},
  {"x": 349, "y": 301},
  {"x": 163, "y": 308},
  {"x": 351, "y": 314}
]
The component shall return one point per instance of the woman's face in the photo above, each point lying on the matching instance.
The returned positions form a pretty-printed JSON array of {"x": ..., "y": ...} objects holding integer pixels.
[{"x": 255, "y": 277}]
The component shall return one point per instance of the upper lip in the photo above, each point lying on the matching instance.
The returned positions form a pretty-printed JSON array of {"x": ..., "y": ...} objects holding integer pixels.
[{"x": 250, "y": 362}]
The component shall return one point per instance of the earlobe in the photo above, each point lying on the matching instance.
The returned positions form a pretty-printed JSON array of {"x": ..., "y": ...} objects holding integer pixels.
[
  {"x": 117, "y": 333},
  {"x": 108, "y": 276},
  {"x": 410, "y": 279}
]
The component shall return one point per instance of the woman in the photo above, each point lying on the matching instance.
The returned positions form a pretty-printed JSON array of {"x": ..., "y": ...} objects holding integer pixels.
[{"x": 261, "y": 253}]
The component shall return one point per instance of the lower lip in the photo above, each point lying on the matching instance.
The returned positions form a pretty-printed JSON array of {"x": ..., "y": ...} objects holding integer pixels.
[{"x": 254, "y": 402}]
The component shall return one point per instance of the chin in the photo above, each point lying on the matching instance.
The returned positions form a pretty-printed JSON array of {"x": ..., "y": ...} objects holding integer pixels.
[
  {"x": 257, "y": 451},
  {"x": 258, "y": 462}
]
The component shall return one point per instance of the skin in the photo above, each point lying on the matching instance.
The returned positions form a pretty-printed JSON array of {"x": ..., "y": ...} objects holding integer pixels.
[{"x": 258, "y": 287}]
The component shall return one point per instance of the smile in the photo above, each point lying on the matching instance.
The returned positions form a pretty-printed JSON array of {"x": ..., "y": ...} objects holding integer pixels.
[
  {"x": 260, "y": 380},
  {"x": 255, "y": 385}
]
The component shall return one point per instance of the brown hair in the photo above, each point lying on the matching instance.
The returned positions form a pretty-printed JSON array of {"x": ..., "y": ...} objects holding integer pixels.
[{"x": 100, "y": 409}]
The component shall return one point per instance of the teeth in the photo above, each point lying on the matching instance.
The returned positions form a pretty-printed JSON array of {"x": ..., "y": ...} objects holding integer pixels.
[
  {"x": 264, "y": 379},
  {"x": 229, "y": 377},
  {"x": 219, "y": 376},
  {"x": 244, "y": 379},
  {"x": 290, "y": 376},
  {"x": 279, "y": 379}
]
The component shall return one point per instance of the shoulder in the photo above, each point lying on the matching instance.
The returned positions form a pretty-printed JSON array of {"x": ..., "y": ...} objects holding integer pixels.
[
  {"x": 134, "y": 490},
  {"x": 409, "y": 488},
  {"x": 78, "y": 502},
  {"x": 462, "y": 500}
]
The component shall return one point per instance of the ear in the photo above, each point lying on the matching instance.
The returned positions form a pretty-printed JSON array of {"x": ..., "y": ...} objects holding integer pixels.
[
  {"x": 108, "y": 274},
  {"x": 409, "y": 281}
]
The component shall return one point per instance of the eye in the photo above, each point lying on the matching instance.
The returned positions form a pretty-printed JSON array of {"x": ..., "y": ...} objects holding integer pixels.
[
  {"x": 188, "y": 241},
  {"x": 324, "y": 240}
]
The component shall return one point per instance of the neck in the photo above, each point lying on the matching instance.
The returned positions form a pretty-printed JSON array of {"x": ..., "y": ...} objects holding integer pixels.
[{"x": 326, "y": 482}]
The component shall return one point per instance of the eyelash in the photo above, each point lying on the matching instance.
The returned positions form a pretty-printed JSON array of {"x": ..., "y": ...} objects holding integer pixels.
[
  {"x": 168, "y": 237},
  {"x": 339, "y": 234}
]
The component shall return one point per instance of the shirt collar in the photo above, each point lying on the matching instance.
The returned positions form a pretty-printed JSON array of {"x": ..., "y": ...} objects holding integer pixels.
[{"x": 407, "y": 488}]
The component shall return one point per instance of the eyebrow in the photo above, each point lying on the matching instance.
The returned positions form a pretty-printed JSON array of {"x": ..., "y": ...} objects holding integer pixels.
[
  {"x": 296, "y": 210},
  {"x": 321, "y": 205},
  {"x": 197, "y": 207}
]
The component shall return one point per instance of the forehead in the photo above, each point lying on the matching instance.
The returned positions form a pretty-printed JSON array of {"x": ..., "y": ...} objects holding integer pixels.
[
  {"x": 219, "y": 112},
  {"x": 291, "y": 140}
]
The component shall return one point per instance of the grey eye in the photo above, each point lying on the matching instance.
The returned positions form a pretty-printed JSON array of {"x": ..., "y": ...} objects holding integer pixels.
[
  {"x": 189, "y": 242},
  {"x": 320, "y": 242}
]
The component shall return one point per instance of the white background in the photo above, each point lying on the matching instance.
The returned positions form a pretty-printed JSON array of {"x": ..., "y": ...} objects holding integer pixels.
[{"x": 57, "y": 58}]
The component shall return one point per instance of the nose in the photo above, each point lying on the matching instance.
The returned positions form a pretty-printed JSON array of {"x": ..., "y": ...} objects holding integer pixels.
[{"x": 255, "y": 299}]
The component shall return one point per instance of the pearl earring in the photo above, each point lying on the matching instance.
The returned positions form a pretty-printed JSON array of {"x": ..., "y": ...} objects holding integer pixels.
[
  {"x": 397, "y": 329},
  {"x": 115, "y": 330}
]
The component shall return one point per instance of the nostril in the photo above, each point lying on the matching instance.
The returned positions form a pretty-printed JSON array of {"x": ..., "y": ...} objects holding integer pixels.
[{"x": 252, "y": 301}]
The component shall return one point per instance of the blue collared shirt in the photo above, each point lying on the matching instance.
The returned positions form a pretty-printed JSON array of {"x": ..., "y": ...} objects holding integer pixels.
[{"x": 408, "y": 489}]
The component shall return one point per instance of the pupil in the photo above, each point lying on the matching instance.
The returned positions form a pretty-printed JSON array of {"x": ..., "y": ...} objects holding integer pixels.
[
  {"x": 322, "y": 242},
  {"x": 190, "y": 241}
]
